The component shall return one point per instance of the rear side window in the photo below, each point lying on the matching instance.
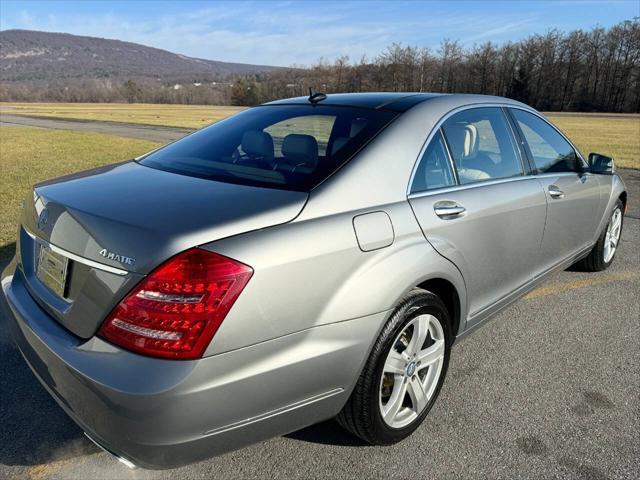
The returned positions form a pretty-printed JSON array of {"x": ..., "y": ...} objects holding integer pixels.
[
  {"x": 434, "y": 169},
  {"x": 481, "y": 145},
  {"x": 292, "y": 147},
  {"x": 550, "y": 151}
]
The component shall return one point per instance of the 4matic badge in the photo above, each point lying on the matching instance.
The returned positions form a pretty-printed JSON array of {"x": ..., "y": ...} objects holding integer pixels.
[{"x": 116, "y": 257}]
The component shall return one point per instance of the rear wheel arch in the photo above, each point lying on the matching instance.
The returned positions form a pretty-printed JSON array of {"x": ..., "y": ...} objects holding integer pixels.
[
  {"x": 360, "y": 414},
  {"x": 448, "y": 293},
  {"x": 445, "y": 290}
]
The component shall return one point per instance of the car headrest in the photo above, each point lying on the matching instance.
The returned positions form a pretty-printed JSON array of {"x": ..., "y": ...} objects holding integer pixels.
[
  {"x": 463, "y": 140},
  {"x": 258, "y": 144},
  {"x": 300, "y": 149},
  {"x": 338, "y": 143},
  {"x": 357, "y": 124}
]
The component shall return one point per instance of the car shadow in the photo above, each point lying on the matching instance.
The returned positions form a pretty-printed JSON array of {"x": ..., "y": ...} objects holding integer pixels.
[
  {"x": 35, "y": 430},
  {"x": 576, "y": 267},
  {"x": 327, "y": 433}
]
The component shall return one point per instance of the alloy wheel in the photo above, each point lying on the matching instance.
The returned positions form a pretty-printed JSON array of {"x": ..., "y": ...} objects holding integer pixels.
[
  {"x": 411, "y": 371},
  {"x": 612, "y": 237}
]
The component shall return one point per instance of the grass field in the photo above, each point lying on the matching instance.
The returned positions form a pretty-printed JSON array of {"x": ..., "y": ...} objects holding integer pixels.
[
  {"x": 28, "y": 156},
  {"x": 189, "y": 116},
  {"x": 618, "y": 136}
]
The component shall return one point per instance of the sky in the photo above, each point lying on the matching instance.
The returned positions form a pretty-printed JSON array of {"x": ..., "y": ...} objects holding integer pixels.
[{"x": 301, "y": 32}]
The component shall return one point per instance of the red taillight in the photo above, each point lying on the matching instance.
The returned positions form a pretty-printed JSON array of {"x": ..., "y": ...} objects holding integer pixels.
[{"x": 176, "y": 310}]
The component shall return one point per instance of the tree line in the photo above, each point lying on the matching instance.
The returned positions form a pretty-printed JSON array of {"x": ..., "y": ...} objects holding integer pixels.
[
  {"x": 114, "y": 90},
  {"x": 594, "y": 70}
]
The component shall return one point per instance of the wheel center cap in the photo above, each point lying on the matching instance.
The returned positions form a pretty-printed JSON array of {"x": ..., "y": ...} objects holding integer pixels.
[{"x": 411, "y": 369}]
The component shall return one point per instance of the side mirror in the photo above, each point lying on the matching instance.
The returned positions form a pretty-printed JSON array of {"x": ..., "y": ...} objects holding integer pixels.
[{"x": 600, "y": 164}]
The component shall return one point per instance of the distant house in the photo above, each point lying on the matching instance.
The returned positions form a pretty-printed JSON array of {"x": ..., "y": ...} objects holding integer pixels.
[{"x": 196, "y": 84}]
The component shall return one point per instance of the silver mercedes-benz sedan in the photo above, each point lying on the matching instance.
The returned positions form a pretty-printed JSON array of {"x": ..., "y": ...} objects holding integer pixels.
[{"x": 301, "y": 260}]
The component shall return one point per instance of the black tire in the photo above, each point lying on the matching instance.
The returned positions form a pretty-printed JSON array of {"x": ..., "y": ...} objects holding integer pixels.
[
  {"x": 595, "y": 261},
  {"x": 361, "y": 415}
]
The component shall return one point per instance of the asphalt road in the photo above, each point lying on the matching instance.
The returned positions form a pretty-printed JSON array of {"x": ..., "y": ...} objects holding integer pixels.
[
  {"x": 131, "y": 130},
  {"x": 158, "y": 133},
  {"x": 169, "y": 134},
  {"x": 548, "y": 389}
]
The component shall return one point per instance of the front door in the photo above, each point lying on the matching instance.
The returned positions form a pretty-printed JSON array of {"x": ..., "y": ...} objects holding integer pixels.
[{"x": 573, "y": 196}]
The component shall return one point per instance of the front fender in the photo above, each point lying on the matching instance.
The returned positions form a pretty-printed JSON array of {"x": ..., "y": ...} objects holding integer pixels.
[{"x": 614, "y": 189}]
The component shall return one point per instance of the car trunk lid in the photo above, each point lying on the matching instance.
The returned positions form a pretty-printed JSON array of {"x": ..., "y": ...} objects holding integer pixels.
[{"x": 110, "y": 226}]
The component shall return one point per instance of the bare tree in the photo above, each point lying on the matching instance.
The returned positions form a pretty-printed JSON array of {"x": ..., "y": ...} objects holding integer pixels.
[{"x": 579, "y": 70}]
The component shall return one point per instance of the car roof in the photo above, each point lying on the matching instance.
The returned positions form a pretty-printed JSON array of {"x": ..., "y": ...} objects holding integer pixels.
[{"x": 394, "y": 101}]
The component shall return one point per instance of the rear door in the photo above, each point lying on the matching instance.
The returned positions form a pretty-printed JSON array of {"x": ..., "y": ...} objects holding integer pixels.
[
  {"x": 573, "y": 194},
  {"x": 476, "y": 205}
]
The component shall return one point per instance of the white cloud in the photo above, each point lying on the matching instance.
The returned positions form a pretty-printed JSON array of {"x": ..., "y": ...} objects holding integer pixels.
[
  {"x": 281, "y": 34},
  {"x": 26, "y": 18},
  {"x": 260, "y": 38},
  {"x": 493, "y": 32}
]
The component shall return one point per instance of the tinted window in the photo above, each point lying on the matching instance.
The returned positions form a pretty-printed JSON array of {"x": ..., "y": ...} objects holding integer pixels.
[
  {"x": 282, "y": 146},
  {"x": 434, "y": 169},
  {"x": 318, "y": 126},
  {"x": 550, "y": 151},
  {"x": 481, "y": 145}
]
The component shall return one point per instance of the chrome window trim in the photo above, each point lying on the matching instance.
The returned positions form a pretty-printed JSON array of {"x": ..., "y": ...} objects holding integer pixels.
[
  {"x": 557, "y": 174},
  {"x": 77, "y": 258},
  {"x": 522, "y": 155},
  {"x": 452, "y": 166},
  {"x": 483, "y": 183},
  {"x": 525, "y": 172},
  {"x": 494, "y": 181},
  {"x": 438, "y": 126}
]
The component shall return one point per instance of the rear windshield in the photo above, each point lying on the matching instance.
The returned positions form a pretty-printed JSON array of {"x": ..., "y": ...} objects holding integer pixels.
[{"x": 292, "y": 147}]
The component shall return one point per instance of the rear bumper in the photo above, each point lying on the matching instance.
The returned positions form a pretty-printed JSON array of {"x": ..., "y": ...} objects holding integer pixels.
[{"x": 159, "y": 413}]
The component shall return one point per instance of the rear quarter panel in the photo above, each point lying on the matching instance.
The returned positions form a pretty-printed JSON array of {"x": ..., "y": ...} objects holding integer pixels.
[{"x": 312, "y": 272}]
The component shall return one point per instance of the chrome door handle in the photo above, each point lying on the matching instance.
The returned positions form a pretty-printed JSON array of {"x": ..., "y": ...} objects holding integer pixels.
[
  {"x": 447, "y": 209},
  {"x": 555, "y": 192}
]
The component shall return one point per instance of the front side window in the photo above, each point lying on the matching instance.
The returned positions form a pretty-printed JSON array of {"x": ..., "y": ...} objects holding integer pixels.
[
  {"x": 434, "y": 169},
  {"x": 292, "y": 147},
  {"x": 481, "y": 145},
  {"x": 550, "y": 151}
]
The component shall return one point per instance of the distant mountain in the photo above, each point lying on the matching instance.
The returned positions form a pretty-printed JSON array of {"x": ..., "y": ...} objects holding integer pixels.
[{"x": 41, "y": 57}]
